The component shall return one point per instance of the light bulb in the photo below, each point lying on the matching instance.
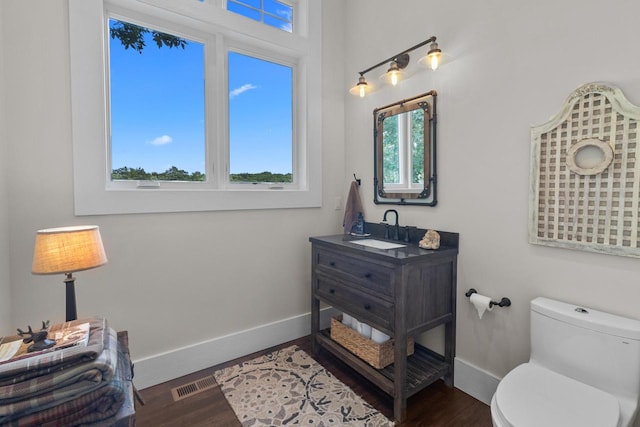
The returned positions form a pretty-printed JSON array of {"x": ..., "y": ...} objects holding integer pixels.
[
  {"x": 362, "y": 91},
  {"x": 434, "y": 61},
  {"x": 433, "y": 56},
  {"x": 394, "y": 78}
]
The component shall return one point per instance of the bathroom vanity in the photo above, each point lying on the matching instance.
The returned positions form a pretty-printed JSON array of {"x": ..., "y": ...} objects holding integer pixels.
[{"x": 402, "y": 291}]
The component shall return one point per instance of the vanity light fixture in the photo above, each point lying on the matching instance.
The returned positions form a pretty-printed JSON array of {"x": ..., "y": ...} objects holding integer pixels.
[{"x": 397, "y": 63}]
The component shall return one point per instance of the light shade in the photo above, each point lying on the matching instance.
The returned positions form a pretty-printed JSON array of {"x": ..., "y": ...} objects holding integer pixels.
[
  {"x": 68, "y": 249},
  {"x": 433, "y": 59},
  {"x": 393, "y": 75},
  {"x": 361, "y": 89}
]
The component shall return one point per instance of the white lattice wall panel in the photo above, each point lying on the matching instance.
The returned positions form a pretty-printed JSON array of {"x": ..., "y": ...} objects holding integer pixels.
[{"x": 594, "y": 206}]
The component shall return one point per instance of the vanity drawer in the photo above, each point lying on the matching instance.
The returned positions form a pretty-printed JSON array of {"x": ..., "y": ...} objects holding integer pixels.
[
  {"x": 369, "y": 275},
  {"x": 363, "y": 306}
]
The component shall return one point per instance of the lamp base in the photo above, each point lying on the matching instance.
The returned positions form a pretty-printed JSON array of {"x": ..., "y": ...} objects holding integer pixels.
[{"x": 71, "y": 297}]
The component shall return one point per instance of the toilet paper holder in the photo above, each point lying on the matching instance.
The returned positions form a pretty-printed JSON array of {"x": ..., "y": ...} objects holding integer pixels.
[{"x": 504, "y": 302}]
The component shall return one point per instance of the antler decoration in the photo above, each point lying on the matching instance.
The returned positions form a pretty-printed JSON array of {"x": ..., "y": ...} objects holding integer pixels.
[{"x": 39, "y": 338}]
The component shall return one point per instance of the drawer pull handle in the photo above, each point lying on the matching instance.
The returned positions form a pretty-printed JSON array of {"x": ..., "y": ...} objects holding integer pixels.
[
  {"x": 367, "y": 306},
  {"x": 332, "y": 264},
  {"x": 368, "y": 275},
  {"x": 332, "y": 291}
]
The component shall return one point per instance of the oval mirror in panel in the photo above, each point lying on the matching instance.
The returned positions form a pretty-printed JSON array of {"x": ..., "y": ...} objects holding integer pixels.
[{"x": 404, "y": 152}]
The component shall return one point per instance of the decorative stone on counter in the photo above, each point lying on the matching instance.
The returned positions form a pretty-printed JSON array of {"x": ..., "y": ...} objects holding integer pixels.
[{"x": 431, "y": 240}]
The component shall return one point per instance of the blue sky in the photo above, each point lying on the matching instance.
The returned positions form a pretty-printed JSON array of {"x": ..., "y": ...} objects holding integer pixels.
[
  {"x": 259, "y": 115},
  {"x": 157, "y": 110}
]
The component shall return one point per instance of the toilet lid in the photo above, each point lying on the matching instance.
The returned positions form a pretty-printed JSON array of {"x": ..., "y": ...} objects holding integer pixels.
[{"x": 533, "y": 396}]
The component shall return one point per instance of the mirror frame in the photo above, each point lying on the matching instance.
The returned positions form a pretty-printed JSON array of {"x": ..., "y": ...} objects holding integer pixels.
[{"x": 427, "y": 197}]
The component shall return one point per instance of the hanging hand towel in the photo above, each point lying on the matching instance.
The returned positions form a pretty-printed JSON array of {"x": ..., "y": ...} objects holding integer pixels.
[{"x": 352, "y": 207}]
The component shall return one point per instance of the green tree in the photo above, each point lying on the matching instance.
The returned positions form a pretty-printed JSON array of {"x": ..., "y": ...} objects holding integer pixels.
[
  {"x": 129, "y": 173},
  {"x": 132, "y": 36},
  {"x": 261, "y": 177},
  {"x": 171, "y": 174},
  {"x": 417, "y": 140}
]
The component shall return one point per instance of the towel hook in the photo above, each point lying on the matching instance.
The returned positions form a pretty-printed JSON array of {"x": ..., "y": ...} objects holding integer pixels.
[
  {"x": 504, "y": 302},
  {"x": 358, "y": 180}
]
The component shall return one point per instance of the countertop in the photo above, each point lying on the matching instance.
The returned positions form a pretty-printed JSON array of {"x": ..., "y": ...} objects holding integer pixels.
[{"x": 398, "y": 255}]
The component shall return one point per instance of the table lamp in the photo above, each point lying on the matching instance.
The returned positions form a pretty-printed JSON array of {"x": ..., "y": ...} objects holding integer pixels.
[{"x": 67, "y": 250}]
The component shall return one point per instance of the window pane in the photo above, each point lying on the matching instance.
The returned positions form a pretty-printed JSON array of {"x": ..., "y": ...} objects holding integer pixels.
[
  {"x": 390, "y": 146},
  {"x": 157, "y": 105},
  {"x": 283, "y": 13},
  {"x": 277, "y": 8},
  {"x": 417, "y": 142},
  {"x": 244, "y": 11},
  {"x": 260, "y": 120},
  {"x": 278, "y": 23},
  {"x": 271, "y": 12},
  {"x": 251, "y": 3}
]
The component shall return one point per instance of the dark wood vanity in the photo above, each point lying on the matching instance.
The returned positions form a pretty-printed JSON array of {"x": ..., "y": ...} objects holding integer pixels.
[{"x": 402, "y": 292}]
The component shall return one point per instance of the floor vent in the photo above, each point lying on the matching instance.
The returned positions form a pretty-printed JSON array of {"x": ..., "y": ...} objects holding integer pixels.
[{"x": 194, "y": 387}]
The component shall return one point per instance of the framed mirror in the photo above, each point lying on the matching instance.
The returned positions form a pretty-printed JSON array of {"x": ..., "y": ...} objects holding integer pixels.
[{"x": 404, "y": 135}]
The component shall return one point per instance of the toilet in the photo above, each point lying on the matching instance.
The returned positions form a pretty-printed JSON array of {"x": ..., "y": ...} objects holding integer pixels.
[{"x": 584, "y": 371}]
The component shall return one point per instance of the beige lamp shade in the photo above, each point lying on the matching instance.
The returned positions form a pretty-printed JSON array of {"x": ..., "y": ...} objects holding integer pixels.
[{"x": 68, "y": 249}]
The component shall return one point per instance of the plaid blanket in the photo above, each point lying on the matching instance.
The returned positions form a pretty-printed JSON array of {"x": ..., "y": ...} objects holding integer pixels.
[
  {"x": 97, "y": 405},
  {"x": 40, "y": 393},
  {"x": 51, "y": 361}
]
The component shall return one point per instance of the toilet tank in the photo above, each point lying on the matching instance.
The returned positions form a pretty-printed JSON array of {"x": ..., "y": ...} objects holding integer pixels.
[{"x": 593, "y": 347}]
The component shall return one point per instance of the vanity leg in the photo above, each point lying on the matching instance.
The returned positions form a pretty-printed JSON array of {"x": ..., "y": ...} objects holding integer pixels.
[
  {"x": 315, "y": 323},
  {"x": 449, "y": 351},
  {"x": 450, "y": 329},
  {"x": 400, "y": 375},
  {"x": 400, "y": 407}
]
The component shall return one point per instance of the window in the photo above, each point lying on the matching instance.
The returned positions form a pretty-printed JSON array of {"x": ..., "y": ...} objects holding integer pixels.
[
  {"x": 222, "y": 116},
  {"x": 260, "y": 120},
  {"x": 273, "y": 13},
  {"x": 156, "y": 135}
]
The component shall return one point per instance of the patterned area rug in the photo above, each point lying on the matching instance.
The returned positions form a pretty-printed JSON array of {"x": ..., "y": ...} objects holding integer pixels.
[{"x": 287, "y": 387}]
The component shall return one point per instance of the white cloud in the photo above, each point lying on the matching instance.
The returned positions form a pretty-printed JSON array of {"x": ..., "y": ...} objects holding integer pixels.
[
  {"x": 285, "y": 13},
  {"x": 241, "y": 89},
  {"x": 161, "y": 140}
]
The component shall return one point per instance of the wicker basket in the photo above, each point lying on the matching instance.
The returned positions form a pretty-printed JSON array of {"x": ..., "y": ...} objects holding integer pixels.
[{"x": 376, "y": 355}]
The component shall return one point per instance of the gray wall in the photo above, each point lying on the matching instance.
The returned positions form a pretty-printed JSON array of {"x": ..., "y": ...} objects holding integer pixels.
[
  {"x": 172, "y": 279},
  {"x": 511, "y": 65},
  {"x": 5, "y": 277}
]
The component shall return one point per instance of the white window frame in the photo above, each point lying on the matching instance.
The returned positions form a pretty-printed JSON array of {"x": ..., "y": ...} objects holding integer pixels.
[{"x": 96, "y": 194}]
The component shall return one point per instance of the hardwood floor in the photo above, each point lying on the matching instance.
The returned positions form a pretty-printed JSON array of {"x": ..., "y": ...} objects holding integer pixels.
[{"x": 437, "y": 405}]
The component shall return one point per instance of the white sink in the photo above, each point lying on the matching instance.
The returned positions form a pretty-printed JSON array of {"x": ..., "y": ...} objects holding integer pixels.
[{"x": 378, "y": 244}]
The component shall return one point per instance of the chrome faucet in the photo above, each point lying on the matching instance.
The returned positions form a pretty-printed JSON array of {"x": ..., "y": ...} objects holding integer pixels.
[{"x": 396, "y": 234}]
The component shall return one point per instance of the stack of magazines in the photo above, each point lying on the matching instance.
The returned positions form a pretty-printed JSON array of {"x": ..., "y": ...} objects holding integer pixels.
[{"x": 78, "y": 381}]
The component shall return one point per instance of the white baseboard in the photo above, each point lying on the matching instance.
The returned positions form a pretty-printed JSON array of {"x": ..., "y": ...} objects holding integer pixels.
[
  {"x": 157, "y": 369},
  {"x": 166, "y": 366},
  {"x": 474, "y": 381}
]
